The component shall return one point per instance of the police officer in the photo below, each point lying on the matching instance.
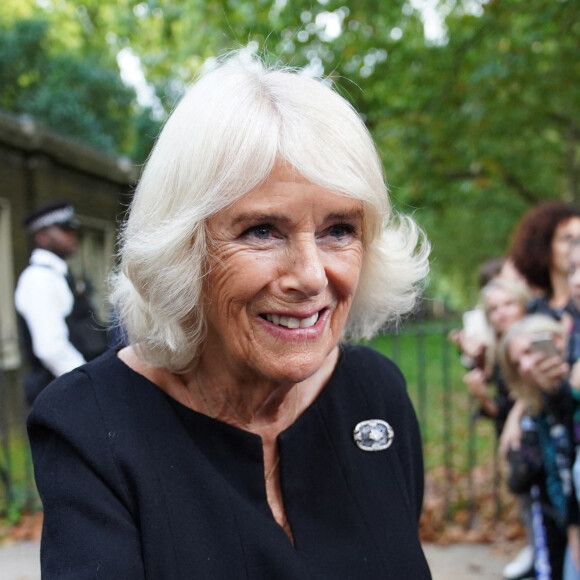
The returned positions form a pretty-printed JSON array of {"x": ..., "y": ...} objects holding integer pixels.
[{"x": 58, "y": 328}]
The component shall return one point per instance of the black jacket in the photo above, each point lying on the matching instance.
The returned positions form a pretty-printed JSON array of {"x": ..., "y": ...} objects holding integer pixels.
[{"x": 135, "y": 485}]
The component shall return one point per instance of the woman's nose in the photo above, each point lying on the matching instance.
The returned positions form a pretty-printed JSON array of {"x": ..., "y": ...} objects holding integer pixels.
[{"x": 304, "y": 269}]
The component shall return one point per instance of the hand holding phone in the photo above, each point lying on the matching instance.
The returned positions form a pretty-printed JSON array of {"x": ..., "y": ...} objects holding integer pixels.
[{"x": 543, "y": 342}]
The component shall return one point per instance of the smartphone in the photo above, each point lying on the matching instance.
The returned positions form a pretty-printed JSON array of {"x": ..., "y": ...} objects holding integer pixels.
[
  {"x": 543, "y": 342},
  {"x": 474, "y": 324}
]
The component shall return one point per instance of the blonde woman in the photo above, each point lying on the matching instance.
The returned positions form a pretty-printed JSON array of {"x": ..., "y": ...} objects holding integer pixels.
[
  {"x": 504, "y": 302},
  {"x": 532, "y": 355}
]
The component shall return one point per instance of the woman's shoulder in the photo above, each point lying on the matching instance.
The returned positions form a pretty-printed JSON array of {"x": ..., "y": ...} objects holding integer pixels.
[
  {"x": 80, "y": 393},
  {"x": 371, "y": 385},
  {"x": 541, "y": 305},
  {"x": 368, "y": 366},
  {"x": 366, "y": 358}
]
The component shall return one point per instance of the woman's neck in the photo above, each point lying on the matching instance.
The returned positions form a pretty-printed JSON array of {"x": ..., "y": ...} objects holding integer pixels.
[
  {"x": 259, "y": 406},
  {"x": 560, "y": 291},
  {"x": 247, "y": 405},
  {"x": 251, "y": 402}
]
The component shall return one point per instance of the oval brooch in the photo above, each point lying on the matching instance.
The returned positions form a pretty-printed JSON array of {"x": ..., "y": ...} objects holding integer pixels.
[{"x": 373, "y": 435}]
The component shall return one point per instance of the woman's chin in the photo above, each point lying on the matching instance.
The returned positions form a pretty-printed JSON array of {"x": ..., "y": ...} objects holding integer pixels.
[
  {"x": 292, "y": 370},
  {"x": 294, "y": 376}
]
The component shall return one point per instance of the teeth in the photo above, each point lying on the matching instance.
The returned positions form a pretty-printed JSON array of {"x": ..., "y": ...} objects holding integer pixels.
[
  {"x": 291, "y": 322},
  {"x": 308, "y": 322}
]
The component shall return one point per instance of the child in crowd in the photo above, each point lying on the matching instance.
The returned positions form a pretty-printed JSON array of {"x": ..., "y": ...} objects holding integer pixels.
[{"x": 504, "y": 296}]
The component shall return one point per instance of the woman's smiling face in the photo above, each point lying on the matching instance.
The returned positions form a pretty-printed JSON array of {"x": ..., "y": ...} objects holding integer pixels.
[
  {"x": 503, "y": 309},
  {"x": 284, "y": 267}
]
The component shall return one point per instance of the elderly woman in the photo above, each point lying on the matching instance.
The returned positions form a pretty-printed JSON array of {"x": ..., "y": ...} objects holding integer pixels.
[{"x": 237, "y": 436}]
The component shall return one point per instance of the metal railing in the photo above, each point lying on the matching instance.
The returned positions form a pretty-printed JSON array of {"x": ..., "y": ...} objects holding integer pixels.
[
  {"x": 17, "y": 489},
  {"x": 460, "y": 446}
]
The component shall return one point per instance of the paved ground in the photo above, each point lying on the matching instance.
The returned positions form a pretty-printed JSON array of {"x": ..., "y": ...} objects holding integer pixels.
[
  {"x": 458, "y": 562},
  {"x": 465, "y": 562},
  {"x": 20, "y": 561}
]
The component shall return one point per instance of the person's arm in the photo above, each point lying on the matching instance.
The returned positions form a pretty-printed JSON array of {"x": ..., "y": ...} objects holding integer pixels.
[
  {"x": 89, "y": 530},
  {"x": 574, "y": 379},
  {"x": 44, "y": 300},
  {"x": 574, "y": 545},
  {"x": 550, "y": 374},
  {"x": 477, "y": 384},
  {"x": 511, "y": 435}
]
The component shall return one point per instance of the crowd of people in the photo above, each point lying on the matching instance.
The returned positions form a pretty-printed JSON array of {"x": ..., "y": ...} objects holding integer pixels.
[{"x": 521, "y": 347}]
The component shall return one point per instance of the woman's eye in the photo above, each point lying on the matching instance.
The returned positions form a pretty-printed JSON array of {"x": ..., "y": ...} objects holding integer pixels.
[
  {"x": 340, "y": 231},
  {"x": 259, "y": 232}
]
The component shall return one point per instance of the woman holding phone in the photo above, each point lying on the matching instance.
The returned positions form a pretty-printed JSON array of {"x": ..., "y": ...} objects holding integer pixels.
[{"x": 533, "y": 359}]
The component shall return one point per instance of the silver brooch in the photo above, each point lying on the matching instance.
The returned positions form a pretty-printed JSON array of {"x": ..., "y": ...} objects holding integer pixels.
[{"x": 373, "y": 435}]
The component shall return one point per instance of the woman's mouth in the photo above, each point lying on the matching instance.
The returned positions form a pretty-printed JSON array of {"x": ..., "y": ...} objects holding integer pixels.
[{"x": 292, "y": 322}]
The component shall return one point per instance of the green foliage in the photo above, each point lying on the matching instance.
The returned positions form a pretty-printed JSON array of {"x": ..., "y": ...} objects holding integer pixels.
[
  {"x": 17, "y": 490},
  {"x": 81, "y": 97},
  {"x": 472, "y": 129}
]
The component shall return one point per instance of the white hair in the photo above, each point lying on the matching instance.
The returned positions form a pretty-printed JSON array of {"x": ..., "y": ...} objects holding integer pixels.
[{"x": 221, "y": 142}]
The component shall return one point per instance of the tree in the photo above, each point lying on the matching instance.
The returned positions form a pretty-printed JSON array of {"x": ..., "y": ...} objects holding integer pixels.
[
  {"x": 472, "y": 129},
  {"x": 82, "y": 97},
  {"x": 498, "y": 131}
]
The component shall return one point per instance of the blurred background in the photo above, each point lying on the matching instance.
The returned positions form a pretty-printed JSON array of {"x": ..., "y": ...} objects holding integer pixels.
[{"x": 474, "y": 105}]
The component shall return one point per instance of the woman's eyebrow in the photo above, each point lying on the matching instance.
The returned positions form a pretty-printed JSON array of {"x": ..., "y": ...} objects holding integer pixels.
[
  {"x": 346, "y": 215},
  {"x": 253, "y": 218},
  {"x": 273, "y": 217}
]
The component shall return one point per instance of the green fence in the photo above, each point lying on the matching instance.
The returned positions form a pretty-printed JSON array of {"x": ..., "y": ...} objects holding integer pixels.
[
  {"x": 459, "y": 446},
  {"x": 17, "y": 490}
]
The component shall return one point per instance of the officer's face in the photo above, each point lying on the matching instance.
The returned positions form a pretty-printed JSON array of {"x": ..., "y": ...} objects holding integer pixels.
[{"x": 62, "y": 241}]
